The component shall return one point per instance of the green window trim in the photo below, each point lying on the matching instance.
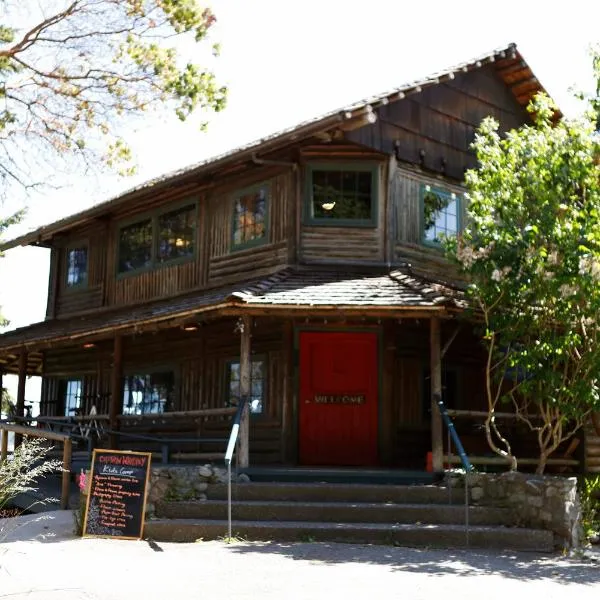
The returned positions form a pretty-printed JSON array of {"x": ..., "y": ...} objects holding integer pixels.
[
  {"x": 365, "y": 167},
  {"x": 445, "y": 194},
  {"x": 83, "y": 284},
  {"x": 259, "y": 241},
  {"x": 154, "y": 218}
]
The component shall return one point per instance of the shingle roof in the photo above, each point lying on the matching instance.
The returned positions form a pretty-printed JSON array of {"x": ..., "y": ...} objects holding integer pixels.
[
  {"x": 511, "y": 66},
  {"x": 309, "y": 287},
  {"x": 293, "y": 288}
]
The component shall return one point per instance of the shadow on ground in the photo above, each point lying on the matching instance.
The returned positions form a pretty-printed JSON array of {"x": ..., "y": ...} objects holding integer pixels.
[{"x": 514, "y": 565}]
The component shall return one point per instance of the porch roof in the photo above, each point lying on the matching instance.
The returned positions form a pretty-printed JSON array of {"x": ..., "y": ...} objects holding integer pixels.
[{"x": 290, "y": 291}]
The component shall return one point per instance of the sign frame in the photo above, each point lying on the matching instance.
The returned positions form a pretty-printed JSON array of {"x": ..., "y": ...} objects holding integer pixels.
[{"x": 95, "y": 454}]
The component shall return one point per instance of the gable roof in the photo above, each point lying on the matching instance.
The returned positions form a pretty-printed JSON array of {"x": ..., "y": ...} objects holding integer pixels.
[{"x": 508, "y": 63}]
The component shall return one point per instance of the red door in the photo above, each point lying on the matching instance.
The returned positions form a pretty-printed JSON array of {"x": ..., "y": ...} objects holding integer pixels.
[{"x": 338, "y": 401}]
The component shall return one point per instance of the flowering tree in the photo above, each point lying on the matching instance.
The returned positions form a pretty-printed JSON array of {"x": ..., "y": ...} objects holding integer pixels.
[{"x": 531, "y": 250}]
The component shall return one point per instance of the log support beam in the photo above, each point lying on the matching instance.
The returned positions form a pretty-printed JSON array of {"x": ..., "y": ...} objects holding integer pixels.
[
  {"x": 437, "y": 434},
  {"x": 116, "y": 390},
  {"x": 245, "y": 327},
  {"x": 20, "y": 406}
]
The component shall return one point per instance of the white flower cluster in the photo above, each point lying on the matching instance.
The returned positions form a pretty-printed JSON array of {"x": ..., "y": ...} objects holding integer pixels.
[
  {"x": 467, "y": 255},
  {"x": 589, "y": 265},
  {"x": 500, "y": 274},
  {"x": 567, "y": 290}
]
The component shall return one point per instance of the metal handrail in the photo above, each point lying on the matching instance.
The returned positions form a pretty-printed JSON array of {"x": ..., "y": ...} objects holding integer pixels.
[
  {"x": 466, "y": 463},
  {"x": 464, "y": 459},
  {"x": 233, "y": 438}
]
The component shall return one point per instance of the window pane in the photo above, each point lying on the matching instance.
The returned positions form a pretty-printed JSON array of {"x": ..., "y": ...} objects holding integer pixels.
[
  {"x": 339, "y": 194},
  {"x": 135, "y": 246},
  {"x": 72, "y": 397},
  {"x": 76, "y": 267},
  {"x": 150, "y": 393},
  {"x": 440, "y": 211},
  {"x": 249, "y": 222},
  {"x": 256, "y": 396},
  {"x": 176, "y": 234}
]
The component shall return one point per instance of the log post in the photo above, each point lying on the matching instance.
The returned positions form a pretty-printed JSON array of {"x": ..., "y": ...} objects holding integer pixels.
[
  {"x": 116, "y": 390},
  {"x": 20, "y": 407},
  {"x": 66, "y": 474},
  {"x": 3, "y": 445},
  {"x": 245, "y": 367},
  {"x": 437, "y": 441}
]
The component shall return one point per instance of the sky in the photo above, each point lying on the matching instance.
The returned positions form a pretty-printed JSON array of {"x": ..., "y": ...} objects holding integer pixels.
[{"x": 287, "y": 61}]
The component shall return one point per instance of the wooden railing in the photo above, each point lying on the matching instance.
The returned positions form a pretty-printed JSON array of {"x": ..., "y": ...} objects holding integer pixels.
[{"x": 5, "y": 428}]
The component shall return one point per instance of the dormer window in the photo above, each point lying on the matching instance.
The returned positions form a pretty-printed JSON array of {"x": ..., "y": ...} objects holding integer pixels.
[
  {"x": 342, "y": 195},
  {"x": 250, "y": 217},
  {"x": 441, "y": 214},
  {"x": 77, "y": 267}
]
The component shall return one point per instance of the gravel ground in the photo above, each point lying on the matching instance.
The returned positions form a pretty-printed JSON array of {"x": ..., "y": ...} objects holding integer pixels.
[{"x": 40, "y": 558}]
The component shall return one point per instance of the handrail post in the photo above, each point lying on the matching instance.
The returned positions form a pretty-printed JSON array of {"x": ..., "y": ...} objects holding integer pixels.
[
  {"x": 66, "y": 474},
  {"x": 3, "y": 445}
]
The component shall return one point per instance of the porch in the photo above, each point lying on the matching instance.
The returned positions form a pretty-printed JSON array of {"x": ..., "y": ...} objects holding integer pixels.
[{"x": 339, "y": 370}]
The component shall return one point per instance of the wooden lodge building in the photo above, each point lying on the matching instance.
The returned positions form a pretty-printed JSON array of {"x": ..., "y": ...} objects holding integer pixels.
[{"x": 303, "y": 270}]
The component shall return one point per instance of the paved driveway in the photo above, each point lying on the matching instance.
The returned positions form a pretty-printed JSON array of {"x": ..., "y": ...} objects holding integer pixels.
[{"x": 40, "y": 558}]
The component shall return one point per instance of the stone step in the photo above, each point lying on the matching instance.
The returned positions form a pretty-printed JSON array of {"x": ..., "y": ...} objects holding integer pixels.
[
  {"x": 434, "y": 536},
  {"x": 338, "y": 492},
  {"x": 340, "y": 475},
  {"x": 349, "y": 512}
]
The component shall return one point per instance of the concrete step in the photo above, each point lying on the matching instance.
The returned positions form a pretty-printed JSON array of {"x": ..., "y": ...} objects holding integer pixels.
[
  {"x": 338, "y": 492},
  {"x": 327, "y": 512},
  {"x": 435, "y": 536}
]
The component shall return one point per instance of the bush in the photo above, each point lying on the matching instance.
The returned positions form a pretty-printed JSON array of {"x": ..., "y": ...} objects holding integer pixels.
[{"x": 590, "y": 507}]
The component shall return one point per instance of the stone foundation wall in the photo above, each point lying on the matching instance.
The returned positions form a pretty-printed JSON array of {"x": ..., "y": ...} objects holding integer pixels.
[
  {"x": 182, "y": 483},
  {"x": 539, "y": 502}
]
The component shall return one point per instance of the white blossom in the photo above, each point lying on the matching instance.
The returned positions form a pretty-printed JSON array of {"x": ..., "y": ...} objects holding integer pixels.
[
  {"x": 497, "y": 275},
  {"x": 567, "y": 290}
]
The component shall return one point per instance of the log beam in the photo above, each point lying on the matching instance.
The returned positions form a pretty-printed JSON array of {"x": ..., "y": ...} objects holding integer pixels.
[
  {"x": 437, "y": 435},
  {"x": 116, "y": 390},
  {"x": 245, "y": 367},
  {"x": 20, "y": 406}
]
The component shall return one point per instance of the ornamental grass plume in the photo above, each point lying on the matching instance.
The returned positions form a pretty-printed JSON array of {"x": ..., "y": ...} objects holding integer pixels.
[{"x": 29, "y": 464}]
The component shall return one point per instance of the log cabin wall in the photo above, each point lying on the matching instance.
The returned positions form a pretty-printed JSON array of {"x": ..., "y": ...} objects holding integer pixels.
[
  {"x": 435, "y": 127},
  {"x": 214, "y": 263},
  {"x": 347, "y": 243},
  {"x": 199, "y": 361},
  {"x": 462, "y": 388},
  {"x": 406, "y": 230}
]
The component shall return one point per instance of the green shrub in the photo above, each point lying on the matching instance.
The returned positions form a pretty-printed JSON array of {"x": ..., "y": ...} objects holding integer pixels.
[{"x": 589, "y": 492}]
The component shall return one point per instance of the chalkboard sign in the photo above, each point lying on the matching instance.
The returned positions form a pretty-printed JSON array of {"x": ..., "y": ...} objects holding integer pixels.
[{"x": 117, "y": 494}]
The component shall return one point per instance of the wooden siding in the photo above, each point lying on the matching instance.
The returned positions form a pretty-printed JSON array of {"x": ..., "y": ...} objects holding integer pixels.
[
  {"x": 434, "y": 128},
  {"x": 214, "y": 262},
  {"x": 328, "y": 244},
  {"x": 199, "y": 362},
  {"x": 227, "y": 264},
  {"x": 406, "y": 230}
]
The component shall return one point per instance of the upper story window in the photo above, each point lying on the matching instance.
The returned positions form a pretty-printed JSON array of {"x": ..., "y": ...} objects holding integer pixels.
[
  {"x": 161, "y": 239},
  {"x": 441, "y": 214},
  {"x": 250, "y": 217},
  {"x": 342, "y": 195},
  {"x": 176, "y": 233},
  {"x": 77, "y": 267}
]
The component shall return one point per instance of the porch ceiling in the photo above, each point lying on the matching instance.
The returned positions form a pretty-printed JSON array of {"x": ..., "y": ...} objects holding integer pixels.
[{"x": 288, "y": 292}]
